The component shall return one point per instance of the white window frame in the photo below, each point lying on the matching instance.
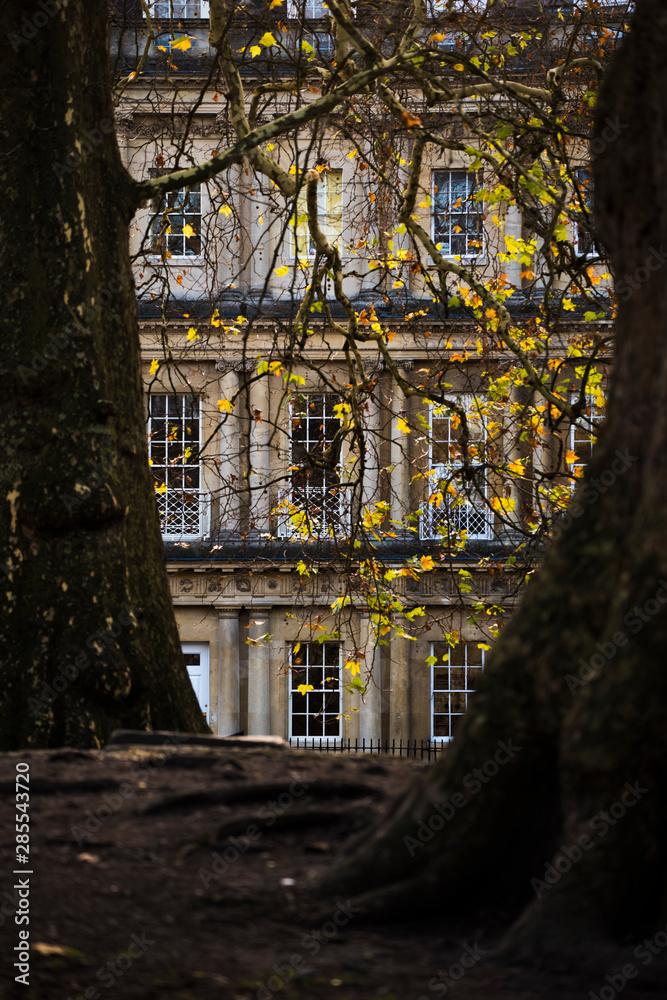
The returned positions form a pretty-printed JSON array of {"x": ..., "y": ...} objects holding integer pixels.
[
  {"x": 292, "y": 690},
  {"x": 323, "y": 217},
  {"x": 313, "y": 10},
  {"x": 444, "y": 470},
  {"x": 596, "y": 414},
  {"x": 473, "y": 180},
  {"x": 466, "y": 690},
  {"x": 318, "y": 493},
  {"x": 155, "y": 221},
  {"x": 163, "y": 499},
  {"x": 157, "y": 5},
  {"x": 580, "y": 172}
]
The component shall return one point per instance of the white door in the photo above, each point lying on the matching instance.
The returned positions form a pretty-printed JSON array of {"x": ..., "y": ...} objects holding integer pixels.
[{"x": 196, "y": 660}]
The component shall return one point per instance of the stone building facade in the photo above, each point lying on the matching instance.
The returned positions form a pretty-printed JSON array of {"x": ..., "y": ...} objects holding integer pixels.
[{"x": 247, "y": 613}]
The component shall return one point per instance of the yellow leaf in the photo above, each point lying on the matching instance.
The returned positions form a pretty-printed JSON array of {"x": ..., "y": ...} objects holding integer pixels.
[
  {"x": 270, "y": 146},
  {"x": 183, "y": 44},
  {"x": 292, "y": 169},
  {"x": 459, "y": 66},
  {"x": 267, "y": 39},
  {"x": 517, "y": 467},
  {"x": 571, "y": 457},
  {"x": 427, "y": 563},
  {"x": 225, "y": 405},
  {"x": 302, "y": 688},
  {"x": 255, "y": 50},
  {"x": 483, "y": 645},
  {"x": 276, "y": 3},
  {"x": 402, "y": 426},
  {"x": 354, "y": 666},
  {"x": 398, "y": 283},
  {"x": 282, "y": 271},
  {"x": 188, "y": 230},
  {"x": 503, "y": 504},
  {"x": 225, "y": 210},
  {"x": 161, "y": 489},
  {"x": 351, "y": 155},
  {"x": 155, "y": 364},
  {"x": 192, "y": 334},
  {"x": 568, "y": 305}
]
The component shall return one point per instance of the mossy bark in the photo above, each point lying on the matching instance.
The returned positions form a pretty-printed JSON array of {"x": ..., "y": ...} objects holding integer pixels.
[
  {"x": 88, "y": 640},
  {"x": 577, "y": 679}
]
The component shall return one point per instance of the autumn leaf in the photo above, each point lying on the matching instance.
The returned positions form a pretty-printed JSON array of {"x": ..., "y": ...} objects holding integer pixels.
[
  {"x": 225, "y": 210},
  {"x": 267, "y": 39},
  {"x": 354, "y": 666},
  {"x": 568, "y": 305},
  {"x": 303, "y": 688},
  {"x": 503, "y": 504},
  {"x": 426, "y": 563},
  {"x": 402, "y": 426},
  {"x": 161, "y": 489},
  {"x": 351, "y": 155},
  {"x": 255, "y": 50},
  {"x": 281, "y": 271},
  {"x": 225, "y": 405},
  {"x": 410, "y": 120},
  {"x": 398, "y": 283},
  {"x": 192, "y": 333},
  {"x": 188, "y": 230},
  {"x": 155, "y": 364},
  {"x": 517, "y": 467},
  {"x": 183, "y": 44},
  {"x": 571, "y": 457}
]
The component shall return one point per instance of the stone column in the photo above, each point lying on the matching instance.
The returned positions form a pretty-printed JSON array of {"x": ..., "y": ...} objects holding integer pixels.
[
  {"x": 229, "y": 684},
  {"x": 401, "y": 690},
  {"x": 370, "y": 714},
  {"x": 399, "y": 481},
  {"x": 278, "y": 657},
  {"x": 260, "y": 454},
  {"x": 229, "y": 456},
  {"x": 370, "y": 486},
  {"x": 259, "y": 675}
]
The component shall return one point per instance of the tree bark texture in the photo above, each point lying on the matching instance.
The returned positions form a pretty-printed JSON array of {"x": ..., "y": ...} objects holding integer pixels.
[
  {"x": 88, "y": 640},
  {"x": 578, "y": 678}
]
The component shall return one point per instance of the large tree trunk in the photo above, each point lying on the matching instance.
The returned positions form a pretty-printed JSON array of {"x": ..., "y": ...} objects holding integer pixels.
[
  {"x": 577, "y": 679},
  {"x": 88, "y": 639}
]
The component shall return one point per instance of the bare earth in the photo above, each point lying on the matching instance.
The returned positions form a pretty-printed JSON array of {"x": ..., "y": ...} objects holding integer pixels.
[{"x": 125, "y": 903}]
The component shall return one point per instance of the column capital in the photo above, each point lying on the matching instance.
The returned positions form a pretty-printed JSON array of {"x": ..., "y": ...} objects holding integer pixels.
[{"x": 227, "y": 612}]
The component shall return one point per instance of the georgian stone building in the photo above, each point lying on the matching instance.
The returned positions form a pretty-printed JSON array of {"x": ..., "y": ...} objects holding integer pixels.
[{"x": 226, "y": 441}]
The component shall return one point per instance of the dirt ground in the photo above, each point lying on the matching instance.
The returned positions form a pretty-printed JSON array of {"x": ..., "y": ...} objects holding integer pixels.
[{"x": 138, "y": 892}]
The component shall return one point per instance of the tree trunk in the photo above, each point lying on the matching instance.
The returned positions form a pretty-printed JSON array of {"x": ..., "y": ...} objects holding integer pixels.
[
  {"x": 577, "y": 680},
  {"x": 88, "y": 640}
]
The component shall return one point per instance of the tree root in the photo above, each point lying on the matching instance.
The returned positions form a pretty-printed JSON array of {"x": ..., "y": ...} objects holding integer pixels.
[
  {"x": 264, "y": 790},
  {"x": 293, "y": 819}
]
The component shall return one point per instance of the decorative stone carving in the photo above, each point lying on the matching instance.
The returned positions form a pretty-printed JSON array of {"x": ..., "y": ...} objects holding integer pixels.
[
  {"x": 233, "y": 364},
  {"x": 243, "y": 585}
]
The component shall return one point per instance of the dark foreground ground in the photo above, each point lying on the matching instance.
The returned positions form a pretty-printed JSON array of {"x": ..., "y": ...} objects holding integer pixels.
[{"x": 131, "y": 903}]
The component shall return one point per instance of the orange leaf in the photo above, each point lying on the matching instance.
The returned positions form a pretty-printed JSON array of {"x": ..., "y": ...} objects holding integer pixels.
[{"x": 410, "y": 119}]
